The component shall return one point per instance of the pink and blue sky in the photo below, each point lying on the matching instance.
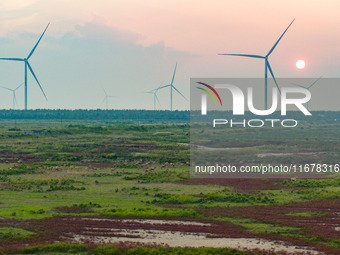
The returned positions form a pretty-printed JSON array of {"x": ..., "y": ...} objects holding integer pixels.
[{"x": 131, "y": 46}]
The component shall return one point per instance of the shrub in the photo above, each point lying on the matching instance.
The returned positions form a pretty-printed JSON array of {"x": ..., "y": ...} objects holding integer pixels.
[
  {"x": 238, "y": 198},
  {"x": 312, "y": 183},
  {"x": 56, "y": 247},
  {"x": 165, "y": 198},
  {"x": 106, "y": 250}
]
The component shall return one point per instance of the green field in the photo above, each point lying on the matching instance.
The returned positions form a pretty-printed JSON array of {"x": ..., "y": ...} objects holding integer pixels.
[{"x": 57, "y": 170}]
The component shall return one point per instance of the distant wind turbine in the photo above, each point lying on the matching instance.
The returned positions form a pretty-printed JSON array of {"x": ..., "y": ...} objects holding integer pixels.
[
  {"x": 308, "y": 87},
  {"x": 13, "y": 91},
  {"x": 267, "y": 66},
  {"x": 171, "y": 85},
  {"x": 27, "y": 64},
  {"x": 106, "y": 99},
  {"x": 155, "y": 97}
]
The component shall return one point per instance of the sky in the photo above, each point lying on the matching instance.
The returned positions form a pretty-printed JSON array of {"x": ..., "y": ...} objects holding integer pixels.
[{"x": 129, "y": 47}]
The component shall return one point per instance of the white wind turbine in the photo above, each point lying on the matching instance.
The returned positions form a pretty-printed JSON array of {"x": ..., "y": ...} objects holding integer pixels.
[
  {"x": 106, "y": 99},
  {"x": 172, "y": 87},
  {"x": 308, "y": 87},
  {"x": 155, "y": 97},
  {"x": 267, "y": 66},
  {"x": 13, "y": 92},
  {"x": 27, "y": 65}
]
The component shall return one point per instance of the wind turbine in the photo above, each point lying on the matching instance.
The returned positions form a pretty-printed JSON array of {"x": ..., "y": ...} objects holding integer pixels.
[
  {"x": 308, "y": 87},
  {"x": 106, "y": 99},
  {"x": 27, "y": 64},
  {"x": 155, "y": 97},
  {"x": 171, "y": 85},
  {"x": 13, "y": 91},
  {"x": 267, "y": 66}
]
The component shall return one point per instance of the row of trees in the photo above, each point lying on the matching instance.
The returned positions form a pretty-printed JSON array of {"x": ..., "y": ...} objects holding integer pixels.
[
  {"x": 119, "y": 115},
  {"x": 153, "y": 116}
]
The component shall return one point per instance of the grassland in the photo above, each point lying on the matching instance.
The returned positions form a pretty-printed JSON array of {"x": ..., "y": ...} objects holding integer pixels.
[{"x": 51, "y": 172}]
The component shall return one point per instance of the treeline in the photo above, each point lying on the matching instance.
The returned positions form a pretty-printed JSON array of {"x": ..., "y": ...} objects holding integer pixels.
[
  {"x": 109, "y": 115},
  {"x": 153, "y": 116}
]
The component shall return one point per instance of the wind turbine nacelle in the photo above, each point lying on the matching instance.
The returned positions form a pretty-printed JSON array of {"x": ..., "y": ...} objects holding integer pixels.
[{"x": 239, "y": 98}]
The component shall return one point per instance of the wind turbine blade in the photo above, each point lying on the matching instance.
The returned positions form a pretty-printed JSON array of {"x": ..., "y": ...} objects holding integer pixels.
[
  {"x": 104, "y": 91},
  {"x": 19, "y": 86},
  {"x": 159, "y": 87},
  {"x": 299, "y": 85},
  {"x": 243, "y": 55},
  {"x": 173, "y": 77},
  {"x": 155, "y": 90},
  {"x": 157, "y": 99},
  {"x": 13, "y": 59},
  {"x": 35, "y": 77},
  {"x": 271, "y": 72},
  {"x": 162, "y": 87},
  {"x": 103, "y": 100},
  {"x": 180, "y": 93},
  {"x": 6, "y": 88},
  {"x": 314, "y": 83},
  {"x": 271, "y": 50},
  {"x": 35, "y": 46}
]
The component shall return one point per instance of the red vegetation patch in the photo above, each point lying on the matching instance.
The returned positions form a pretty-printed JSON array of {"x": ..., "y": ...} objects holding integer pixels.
[
  {"x": 321, "y": 226},
  {"x": 18, "y": 158},
  {"x": 64, "y": 228},
  {"x": 55, "y": 229}
]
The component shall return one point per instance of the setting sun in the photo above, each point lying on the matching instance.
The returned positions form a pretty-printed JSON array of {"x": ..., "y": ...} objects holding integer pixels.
[{"x": 300, "y": 64}]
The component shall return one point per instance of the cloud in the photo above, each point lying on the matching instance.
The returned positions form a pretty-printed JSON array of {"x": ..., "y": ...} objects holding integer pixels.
[
  {"x": 10, "y": 26},
  {"x": 132, "y": 46},
  {"x": 95, "y": 29},
  {"x": 13, "y": 5},
  {"x": 73, "y": 69}
]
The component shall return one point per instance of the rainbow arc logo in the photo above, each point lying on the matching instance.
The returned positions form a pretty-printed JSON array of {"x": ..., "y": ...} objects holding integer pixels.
[{"x": 209, "y": 93}]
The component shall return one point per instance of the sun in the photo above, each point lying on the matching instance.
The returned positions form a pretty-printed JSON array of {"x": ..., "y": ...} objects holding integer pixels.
[{"x": 300, "y": 64}]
